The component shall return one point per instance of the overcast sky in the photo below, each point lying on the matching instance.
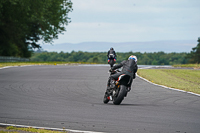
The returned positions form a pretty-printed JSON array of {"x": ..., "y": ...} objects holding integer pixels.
[{"x": 132, "y": 21}]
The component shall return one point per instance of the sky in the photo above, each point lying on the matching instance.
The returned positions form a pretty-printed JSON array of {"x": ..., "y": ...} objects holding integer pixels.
[{"x": 132, "y": 21}]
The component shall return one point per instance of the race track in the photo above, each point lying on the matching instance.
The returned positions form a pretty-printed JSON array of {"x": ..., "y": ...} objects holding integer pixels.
[{"x": 71, "y": 97}]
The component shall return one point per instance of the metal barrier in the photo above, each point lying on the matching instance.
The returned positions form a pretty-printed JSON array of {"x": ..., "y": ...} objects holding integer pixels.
[{"x": 13, "y": 59}]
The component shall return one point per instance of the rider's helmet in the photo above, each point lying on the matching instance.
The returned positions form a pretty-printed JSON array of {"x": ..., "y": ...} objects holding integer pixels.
[
  {"x": 133, "y": 57},
  {"x": 111, "y": 48}
]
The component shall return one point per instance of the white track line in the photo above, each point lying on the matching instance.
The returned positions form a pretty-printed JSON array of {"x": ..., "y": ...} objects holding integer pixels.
[
  {"x": 7, "y": 67},
  {"x": 16, "y": 66},
  {"x": 168, "y": 87},
  {"x": 48, "y": 128}
]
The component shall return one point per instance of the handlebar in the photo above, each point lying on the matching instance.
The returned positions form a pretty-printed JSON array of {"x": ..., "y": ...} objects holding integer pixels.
[{"x": 114, "y": 71}]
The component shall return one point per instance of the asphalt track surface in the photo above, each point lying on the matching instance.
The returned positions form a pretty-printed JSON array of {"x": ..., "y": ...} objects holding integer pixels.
[{"x": 71, "y": 97}]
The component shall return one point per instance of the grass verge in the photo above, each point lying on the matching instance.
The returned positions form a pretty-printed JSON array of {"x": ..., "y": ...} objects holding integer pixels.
[
  {"x": 183, "y": 79},
  {"x": 4, "y": 64},
  {"x": 12, "y": 129},
  {"x": 195, "y": 66}
]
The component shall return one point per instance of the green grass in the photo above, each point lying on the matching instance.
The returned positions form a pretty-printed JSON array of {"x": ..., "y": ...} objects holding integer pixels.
[
  {"x": 17, "y": 130},
  {"x": 8, "y": 132},
  {"x": 195, "y": 66},
  {"x": 4, "y": 64},
  {"x": 183, "y": 79}
]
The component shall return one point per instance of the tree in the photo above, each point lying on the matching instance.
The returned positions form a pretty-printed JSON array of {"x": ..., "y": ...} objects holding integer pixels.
[
  {"x": 194, "y": 55},
  {"x": 24, "y": 22}
]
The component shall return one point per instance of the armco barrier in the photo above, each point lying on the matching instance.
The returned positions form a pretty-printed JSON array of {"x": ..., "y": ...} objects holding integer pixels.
[{"x": 13, "y": 59}]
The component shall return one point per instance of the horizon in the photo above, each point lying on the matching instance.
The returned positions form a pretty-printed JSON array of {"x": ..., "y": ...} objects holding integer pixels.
[{"x": 166, "y": 46}]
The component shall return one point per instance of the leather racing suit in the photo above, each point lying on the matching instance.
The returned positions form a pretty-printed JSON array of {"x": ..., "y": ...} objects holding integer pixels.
[
  {"x": 111, "y": 52},
  {"x": 129, "y": 68}
]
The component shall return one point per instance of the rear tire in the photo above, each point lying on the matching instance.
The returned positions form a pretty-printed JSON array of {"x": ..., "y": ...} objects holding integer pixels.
[
  {"x": 111, "y": 63},
  {"x": 122, "y": 92}
]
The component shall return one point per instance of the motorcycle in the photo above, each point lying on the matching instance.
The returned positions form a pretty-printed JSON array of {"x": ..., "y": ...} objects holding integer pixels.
[
  {"x": 119, "y": 89},
  {"x": 111, "y": 60}
]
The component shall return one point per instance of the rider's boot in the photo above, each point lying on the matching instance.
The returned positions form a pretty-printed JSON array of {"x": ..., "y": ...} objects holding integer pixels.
[{"x": 129, "y": 89}]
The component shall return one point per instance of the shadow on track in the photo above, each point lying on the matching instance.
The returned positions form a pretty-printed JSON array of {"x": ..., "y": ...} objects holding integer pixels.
[{"x": 125, "y": 104}]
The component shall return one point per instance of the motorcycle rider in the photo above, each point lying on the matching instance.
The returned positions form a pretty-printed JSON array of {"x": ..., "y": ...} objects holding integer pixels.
[
  {"x": 111, "y": 53},
  {"x": 129, "y": 68}
]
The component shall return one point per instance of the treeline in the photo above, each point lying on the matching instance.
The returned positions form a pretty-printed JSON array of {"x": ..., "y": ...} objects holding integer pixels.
[
  {"x": 156, "y": 58},
  {"x": 23, "y": 23}
]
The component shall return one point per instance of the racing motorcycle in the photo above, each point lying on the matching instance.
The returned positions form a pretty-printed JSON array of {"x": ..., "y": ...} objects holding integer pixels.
[
  {"x": 119, "y": 89},
  {"x": 111, "y": 60}
]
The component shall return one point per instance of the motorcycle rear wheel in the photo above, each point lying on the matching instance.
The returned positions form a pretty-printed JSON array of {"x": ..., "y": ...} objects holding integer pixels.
[
  {"x": 111, "y": 63},
  {"x": 121, "y": 94}
]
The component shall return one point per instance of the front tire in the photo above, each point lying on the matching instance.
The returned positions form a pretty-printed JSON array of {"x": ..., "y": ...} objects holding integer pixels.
[
  {"x": 121, "y": 94},
  {"x": 105, "y": 99}
]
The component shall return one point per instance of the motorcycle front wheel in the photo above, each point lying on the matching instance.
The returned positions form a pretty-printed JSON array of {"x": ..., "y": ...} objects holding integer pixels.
[{"x": 105, "y": 99}]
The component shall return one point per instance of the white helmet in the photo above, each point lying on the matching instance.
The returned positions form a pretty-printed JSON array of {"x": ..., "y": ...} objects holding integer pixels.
[{"x": 133, "y": 57}]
